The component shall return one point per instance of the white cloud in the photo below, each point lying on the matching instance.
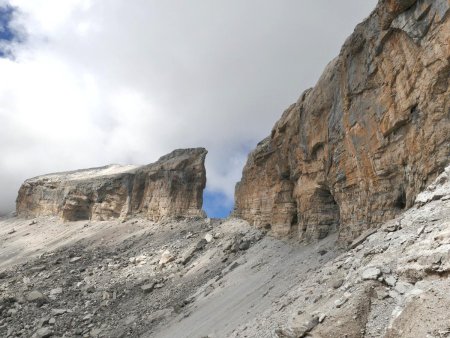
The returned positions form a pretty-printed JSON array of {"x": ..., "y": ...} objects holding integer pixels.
[{"x": 98, "y": 82}]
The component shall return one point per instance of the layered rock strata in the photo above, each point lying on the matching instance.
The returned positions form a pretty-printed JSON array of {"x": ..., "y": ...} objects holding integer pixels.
[
  {"x": 356, "y": 149},
  {"x": 171, "y": 187}
]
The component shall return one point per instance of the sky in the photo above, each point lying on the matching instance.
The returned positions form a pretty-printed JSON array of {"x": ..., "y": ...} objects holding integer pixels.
[{"x": 86, "y": 83}]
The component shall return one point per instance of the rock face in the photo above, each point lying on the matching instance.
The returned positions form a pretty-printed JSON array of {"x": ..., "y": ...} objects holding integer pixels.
[
  {"x": 173, "y": 186},
  {"x": 356, "y": 149}
]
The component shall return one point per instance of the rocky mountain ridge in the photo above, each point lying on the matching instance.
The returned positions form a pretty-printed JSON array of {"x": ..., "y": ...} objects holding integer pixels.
[
  {"x": 171, "y": 187},
  {"x": 355, "y": 150}
]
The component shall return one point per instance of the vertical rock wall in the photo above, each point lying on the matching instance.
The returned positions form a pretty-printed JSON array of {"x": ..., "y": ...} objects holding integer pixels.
[{"x": 356, "y": 149}]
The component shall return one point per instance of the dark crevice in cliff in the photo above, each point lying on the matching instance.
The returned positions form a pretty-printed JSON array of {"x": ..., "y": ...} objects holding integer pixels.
[
  {"x": 322, "y": 218},
  {"x": 400, "y": 201},
  {"x": 328, "y": 213},
  {"x": 317, "y": 150},
  {"x": 294, "y": 221}
]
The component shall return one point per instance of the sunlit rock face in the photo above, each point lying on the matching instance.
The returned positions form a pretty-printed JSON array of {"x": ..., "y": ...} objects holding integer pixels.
[
  {"x": 171, "y": 187},
  {"x": 356, "y": 149}
]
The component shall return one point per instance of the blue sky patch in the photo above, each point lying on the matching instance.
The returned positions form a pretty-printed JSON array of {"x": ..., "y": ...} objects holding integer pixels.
[
  {"x": 6, "y": 33},
  {"x": 216, "y": 204}
]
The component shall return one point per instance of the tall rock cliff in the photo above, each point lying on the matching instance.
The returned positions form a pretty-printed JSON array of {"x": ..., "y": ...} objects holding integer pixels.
[
  {"x": 173, "y": 186},
  {"x": 356, "y": 149}
]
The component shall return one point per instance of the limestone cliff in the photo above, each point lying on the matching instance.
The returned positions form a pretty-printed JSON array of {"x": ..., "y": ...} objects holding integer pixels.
[
  {"x": 356, "y": 149},
  {"x": 173, "y": 186}
]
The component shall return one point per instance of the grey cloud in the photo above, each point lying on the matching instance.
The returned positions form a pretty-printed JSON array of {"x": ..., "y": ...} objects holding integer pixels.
[{"x": 127, "y": 81}]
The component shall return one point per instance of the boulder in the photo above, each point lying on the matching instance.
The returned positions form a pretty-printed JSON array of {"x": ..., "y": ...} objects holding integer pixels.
[
  {"x": 36, "y": 297},
  {"x": 43, "y": 332},
  {"x": 337, "y": 283},
  {"x": 390, "y": 280},
  {"x": 244, "y": 245},
  {"x": 147, "y": 288},
  {"x": 301, "y": 330},
  {"x": 371, "y": 273},
  {"x": 166, "y": 257},
  {"x": 209, "y": 237},
  {"x": 187, "y": 255},
  {"x": 201, "y": 244}
]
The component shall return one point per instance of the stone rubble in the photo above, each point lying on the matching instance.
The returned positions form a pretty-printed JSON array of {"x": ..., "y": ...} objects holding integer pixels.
[{"x": 79, "y": 291}]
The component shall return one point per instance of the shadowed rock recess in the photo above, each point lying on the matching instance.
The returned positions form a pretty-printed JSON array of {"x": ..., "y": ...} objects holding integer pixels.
[
  {"x": 356, "y": 149},
  {"x": 171, "y": 187}
]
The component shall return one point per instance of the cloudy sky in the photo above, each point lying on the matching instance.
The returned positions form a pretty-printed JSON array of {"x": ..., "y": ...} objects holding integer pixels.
[{"x": 85, "y": 83}]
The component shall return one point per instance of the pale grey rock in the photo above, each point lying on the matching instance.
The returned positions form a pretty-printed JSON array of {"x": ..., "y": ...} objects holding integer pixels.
[
  {"x": 188, "y": 254},
  {"x": 382, "y": 294},
  {"x": 12, "y": 312},
  {"x": 385, "y": 269},
  {"x": 322, "y": 317},
  {"x": 36, "y": 297},
  {"x": 394, "y": 294},
  {"x": 390, "y": 280},
  {"x": 140, "y": 259},
  {"x": 208, "y": 237},
  {"x": 417, "y": 21},
  {"x": 439, "y": 189},
  {"x": 392, "y": 226},
  {"x": 341, "y": 301},
  {"x": 95, "y": 332},
  {"x": 59, "y": 312},
  {"x": 402, "y": 288},
  {"x": 371, "y": 273},
  {"x": 130, "y": 319},
  {"x": 166, "y": 257},
  {"x": 43, "y": 332},
  {"x": 304, "y": 328},
  {"x": 336, "y": 284},
  {"x": 147, "y": 288}
]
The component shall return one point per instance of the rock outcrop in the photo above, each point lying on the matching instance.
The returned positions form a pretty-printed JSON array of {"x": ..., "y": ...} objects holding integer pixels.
[
  {"x": 356, "y": 149},
  {"x": 171, "y": 187}
]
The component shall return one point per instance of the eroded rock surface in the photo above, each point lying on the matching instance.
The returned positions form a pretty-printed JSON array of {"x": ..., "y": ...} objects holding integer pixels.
[
  {"x": 171, "y": 187},
  {"x": 355, "y": 150}
]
